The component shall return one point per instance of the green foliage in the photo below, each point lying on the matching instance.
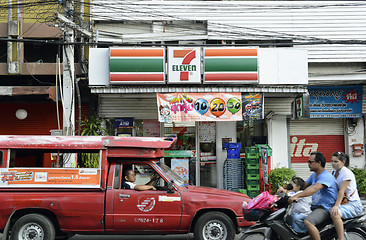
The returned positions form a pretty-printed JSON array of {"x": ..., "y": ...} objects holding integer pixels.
[
  {"x": 280, "y": 176},
  {"x": 360, "y": 175},
  {"x": 91, "y": 127}
]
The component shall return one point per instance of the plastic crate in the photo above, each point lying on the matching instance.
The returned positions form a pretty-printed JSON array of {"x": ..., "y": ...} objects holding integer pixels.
[
  {"x": 243, "y": 191},
  {"x": 252, "y": 155},
  {"x": 251, "y": 160},
  {"x": 252, "y": 166},
  {"x": 251, "y": 150},
  {"x": 253, "y": 193},
  {"x": 253, "y": 187},
  {"x": 251, "y": 171},
  {"x": 232, "y": 145},
  {"x": 233, "y": 155},
  {"x": 233, "y": 151},
  {"x": 252, "y": 176},
  {"x": 252, "y": 182}
]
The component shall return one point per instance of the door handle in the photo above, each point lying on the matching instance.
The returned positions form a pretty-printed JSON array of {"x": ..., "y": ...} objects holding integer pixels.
[{"x": 124, "y": 195}]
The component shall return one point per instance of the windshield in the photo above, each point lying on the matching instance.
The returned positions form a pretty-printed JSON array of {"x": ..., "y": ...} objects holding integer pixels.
[{"x": 172, "y": 175}]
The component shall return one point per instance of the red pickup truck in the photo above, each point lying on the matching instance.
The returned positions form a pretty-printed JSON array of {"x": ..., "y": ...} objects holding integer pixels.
[{"x": 43, "y": 199}]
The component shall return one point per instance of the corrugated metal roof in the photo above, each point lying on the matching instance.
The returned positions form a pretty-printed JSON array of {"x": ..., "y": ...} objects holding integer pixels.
[
  {"x": 305, "y": 21},
  {"x": 170, "y": 89}
]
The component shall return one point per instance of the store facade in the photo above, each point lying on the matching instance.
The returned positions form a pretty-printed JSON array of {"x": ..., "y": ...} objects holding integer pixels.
[{"x": 215, "y": 109}]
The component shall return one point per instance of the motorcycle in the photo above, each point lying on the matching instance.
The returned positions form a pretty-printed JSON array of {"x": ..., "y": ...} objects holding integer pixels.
[{"x": 272, "y": 225}]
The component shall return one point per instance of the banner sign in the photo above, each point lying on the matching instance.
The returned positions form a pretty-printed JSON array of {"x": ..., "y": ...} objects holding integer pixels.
[
  {"x": 336, "y": 102},
  {"x": 303, "y": 145},
  {"x": 137, "y": 65},
  {"x": 252, "y": 106},
  {"x": 182, "y": 107},
  {"x": 50, "y": 177},
  {"x": 184, "y": 65},
  {"x": 230, "y": 65}
]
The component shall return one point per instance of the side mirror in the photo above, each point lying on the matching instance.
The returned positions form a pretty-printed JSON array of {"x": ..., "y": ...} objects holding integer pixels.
[{"x": 170, "y": 187}]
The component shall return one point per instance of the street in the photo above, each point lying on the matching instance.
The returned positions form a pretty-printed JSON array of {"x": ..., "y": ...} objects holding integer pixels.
[{"x": 135, "y": 237}]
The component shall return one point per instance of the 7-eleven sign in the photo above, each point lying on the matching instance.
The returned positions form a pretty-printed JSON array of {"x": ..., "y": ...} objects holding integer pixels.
[{"x": 184, "y": 65}]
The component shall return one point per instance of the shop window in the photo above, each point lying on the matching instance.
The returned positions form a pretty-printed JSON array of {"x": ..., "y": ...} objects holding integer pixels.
[
  {"x": 41, "y": 52},
  {"x": 185, "y": 134},
  {"x": 1, "y": 158},
  {"x": 250, "y": 133},
  {"x": 3, "y": 52}
]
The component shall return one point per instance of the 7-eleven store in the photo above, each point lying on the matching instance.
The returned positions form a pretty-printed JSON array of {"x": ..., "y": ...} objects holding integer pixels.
[{"x": 202, "y": 81}]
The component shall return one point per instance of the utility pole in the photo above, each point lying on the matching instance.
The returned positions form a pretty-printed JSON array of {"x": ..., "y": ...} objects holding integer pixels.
[{"x": 68, "y": 87}]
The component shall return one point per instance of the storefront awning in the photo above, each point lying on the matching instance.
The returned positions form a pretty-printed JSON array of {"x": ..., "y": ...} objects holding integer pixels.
[{"x": 195, "y": 89}]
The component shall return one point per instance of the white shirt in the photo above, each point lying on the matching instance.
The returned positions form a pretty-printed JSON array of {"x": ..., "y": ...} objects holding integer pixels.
[
  {"x": 131, "y": 184},
  {"x": 344, "y": 175},
  {"x": 301, "y": 206}
]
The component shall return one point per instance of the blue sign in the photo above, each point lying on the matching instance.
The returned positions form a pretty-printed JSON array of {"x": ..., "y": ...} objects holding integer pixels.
[
  {"x": 336, "y": 102},
  {"x": 123, "y": 122}
]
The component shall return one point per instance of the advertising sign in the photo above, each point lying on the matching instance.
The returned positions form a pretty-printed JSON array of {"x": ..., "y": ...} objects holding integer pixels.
[
  {"x": 184, "y": 65},
  {"x": 44, "y": 177},
  {"x": 336, "y": 102},
  {"x": 180, "y": 167},
  {"x": 230, "y": 65},
  {"x": 182, "y": 107},
  {"x": 252, "y": 106},
  {"x": 303, "y": 145}
]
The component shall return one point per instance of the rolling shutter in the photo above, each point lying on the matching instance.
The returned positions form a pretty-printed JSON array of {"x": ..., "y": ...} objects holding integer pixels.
[{"x": 324, "y": 135}]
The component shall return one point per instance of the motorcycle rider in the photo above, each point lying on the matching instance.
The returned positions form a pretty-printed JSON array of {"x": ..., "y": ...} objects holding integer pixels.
[
  {"x": 322, "y": 187},
  {"x": 297, "y": 211},
  {"x": 347, "y": 190}
]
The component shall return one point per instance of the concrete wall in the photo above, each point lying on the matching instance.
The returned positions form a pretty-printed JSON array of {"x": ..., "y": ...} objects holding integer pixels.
[{"x": 278, "y": 141}]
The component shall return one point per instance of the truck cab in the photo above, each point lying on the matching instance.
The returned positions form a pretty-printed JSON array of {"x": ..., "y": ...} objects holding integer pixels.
[{"x": 64, "y": 201}]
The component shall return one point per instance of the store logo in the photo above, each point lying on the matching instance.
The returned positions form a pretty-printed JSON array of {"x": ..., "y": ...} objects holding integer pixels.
[
  {"x": 185, "y": 68},
  {"x": 299, "y": 147},
  {"x": 146, "y": 204}
]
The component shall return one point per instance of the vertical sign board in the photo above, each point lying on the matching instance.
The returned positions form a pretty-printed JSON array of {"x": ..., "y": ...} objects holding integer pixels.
[
  {"x": 302, "y": 106},
  {"x": 336, "y": 102},
  {"x": 264, "y": 156},
  {"x": 230, "y": 65},
  {"x": 184, "y": 65},
  {"x": 137, "y": 65}
]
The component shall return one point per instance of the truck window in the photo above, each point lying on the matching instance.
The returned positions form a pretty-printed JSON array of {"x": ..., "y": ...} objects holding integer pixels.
[
  {"x": 116, "y": 176},
  {"x": 144, "y": 173},
  {"x": 48, "y": 158}
]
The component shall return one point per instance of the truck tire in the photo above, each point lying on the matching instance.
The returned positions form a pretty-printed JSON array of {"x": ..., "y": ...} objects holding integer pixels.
[
  {"x": 214, "y": 226},
  {"x": 33, "y": 226}
]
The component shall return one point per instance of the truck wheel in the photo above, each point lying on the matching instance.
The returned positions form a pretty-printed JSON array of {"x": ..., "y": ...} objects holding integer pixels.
[
  {"x": 214, "y": 226},
  {"x": 33, "y": 227}
]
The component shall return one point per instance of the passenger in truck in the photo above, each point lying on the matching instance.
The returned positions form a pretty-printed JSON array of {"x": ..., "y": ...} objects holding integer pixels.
[{"x": 129, "y": 177}]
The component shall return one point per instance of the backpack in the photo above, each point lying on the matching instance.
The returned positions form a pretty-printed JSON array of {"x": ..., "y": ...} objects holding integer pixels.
[{"x": 262, "y": 201}]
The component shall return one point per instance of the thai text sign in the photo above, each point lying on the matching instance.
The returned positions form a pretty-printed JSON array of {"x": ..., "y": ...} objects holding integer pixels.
[
  {"x": 50, "y": 177},
  {"x": 181, "y": 107},
  {"x": 336, "y": 102}
]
